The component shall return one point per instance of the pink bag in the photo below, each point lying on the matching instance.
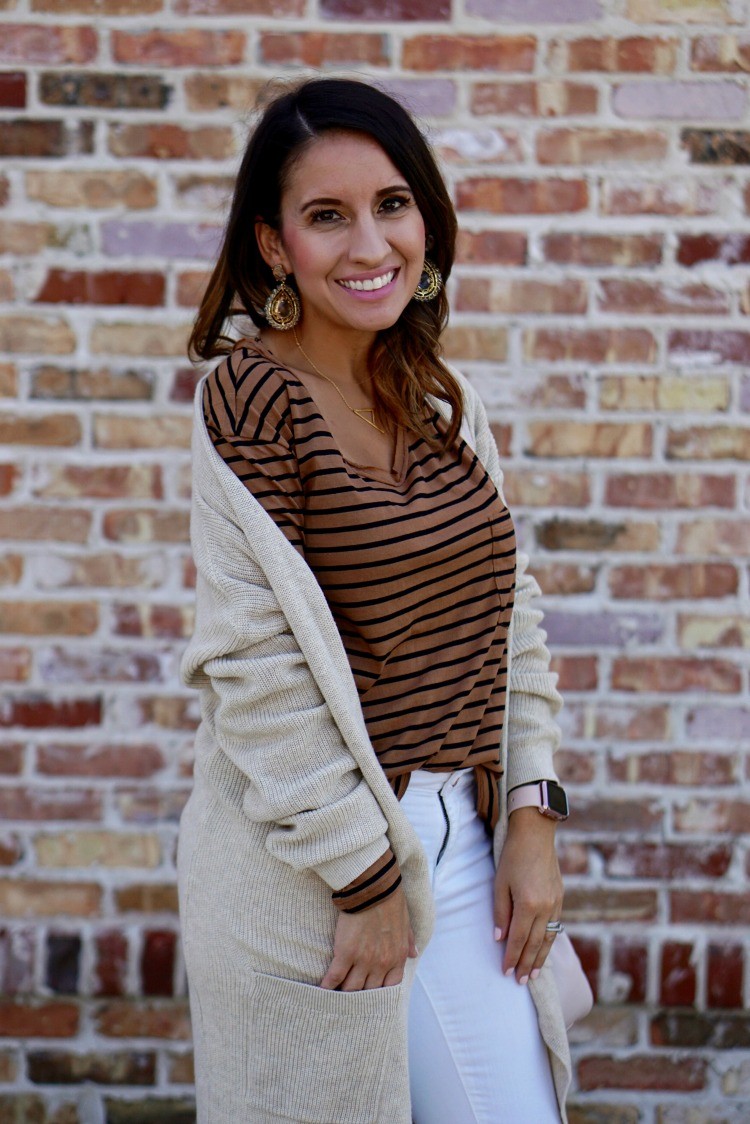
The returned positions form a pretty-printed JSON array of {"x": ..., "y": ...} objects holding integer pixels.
[{"x": 576, "y": 996}]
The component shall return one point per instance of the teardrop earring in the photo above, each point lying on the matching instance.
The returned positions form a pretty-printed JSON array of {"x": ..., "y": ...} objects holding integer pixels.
[
  {"x": 282, "y": 309},
  {"x": 430, "y": 283}
]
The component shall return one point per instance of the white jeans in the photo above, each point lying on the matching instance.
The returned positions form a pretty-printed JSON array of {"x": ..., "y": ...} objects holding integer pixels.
[{"x": 475, "y": 1052}]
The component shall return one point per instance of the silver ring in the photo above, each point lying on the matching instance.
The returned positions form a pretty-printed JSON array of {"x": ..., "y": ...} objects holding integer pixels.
[{"x": 555, "y": 927}]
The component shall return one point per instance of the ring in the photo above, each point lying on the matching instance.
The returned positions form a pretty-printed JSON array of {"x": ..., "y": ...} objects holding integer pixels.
[{"x": 555, "y": 927}]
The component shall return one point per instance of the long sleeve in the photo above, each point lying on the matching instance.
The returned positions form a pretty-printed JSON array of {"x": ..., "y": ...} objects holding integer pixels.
[{"x": 533, "y": 699}]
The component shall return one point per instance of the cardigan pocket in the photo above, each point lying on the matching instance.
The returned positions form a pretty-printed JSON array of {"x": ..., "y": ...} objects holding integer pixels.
[{"x": 317, "y": 1056}]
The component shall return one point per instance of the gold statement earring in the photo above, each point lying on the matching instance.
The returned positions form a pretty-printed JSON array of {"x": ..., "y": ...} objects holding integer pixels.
[
  {"x": 430, "y": 283},
  {"x": 282, "y": 310}
]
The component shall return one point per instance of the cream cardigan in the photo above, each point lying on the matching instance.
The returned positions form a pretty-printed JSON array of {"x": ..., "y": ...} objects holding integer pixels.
[{"x": 290, "y": 802}]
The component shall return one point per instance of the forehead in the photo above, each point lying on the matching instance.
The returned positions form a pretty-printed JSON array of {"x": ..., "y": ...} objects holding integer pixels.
[{"x": 338, "y": 164}]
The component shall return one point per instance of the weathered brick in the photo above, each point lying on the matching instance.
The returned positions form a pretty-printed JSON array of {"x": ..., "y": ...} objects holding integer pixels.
[
  {"x": 111, "y": 963},
  {"x": 570, "y": 534},
  {"x": 171, "y": 142},
  {"x": 147, "y": 897},
  {"x": 13, "y": 90},
  {"x": 665, "y": 582},
  {"x": 103, "y": 91},
  {"x": 677, "y": 974},
  {"x": 472, "y": 343},
  {"x": 661, "y": 491},
  {"x": 36, "y": 336},
  {"x": 97, "y": 189},
  {"x": 48, "y": 899},
  {"x": 38, "y": 1020},
  {"x": 136, "y": 1019},
  {"x": 75, "y": 383},
  {"x": 389, "y": 10},
  {"x": 648, "y": 100},
  {"x": 609, "y": 905},
  {"x": 630, "y": 962},
  {"x": 546, "y": 489},
  {"x": 126, "y": 1067},
  {"x": 714, "y": 537},
  {"x": 157, "y": 962},
  {"x": 110, "y": 287},
  {"x": 644, "y": 1071},
  {"x": 665, "y": 861},
  {"x": 31, "y": 237},
  {"x": 589, "y": 345},
  {"x": 122, "y": 431},
  {"x": 709, "y": 907},
  {"x": 600, "y": 146},
  {"x": 63, "y": 963},
  {"x": 591, "y": 439},
  {"x": 534, "y": 99},
  {"x": 25, "y": 138},
  {"x": 181, "y": 1070},
  {"x": 681, "y": 11},
  {"x": 37, "y": 712},
  {"x": 565, "y": 578},
  {"x": 664, "y": 392},
  {"x": 672, "y": 674},
  {"x": 319, "y": 48},
  {"x": 99, "y": 7},
  {"x": 692, "y": 1028},
  {"x": 651, "y": 298},
  {"x": 469, "y": 52},
  {"x": 71, "y": 481},
  {"x": 98, "y": 848},
  {"x": 44, "y": 804},
  {"x": 141, "y": 525},
  {"x": 608, "y": 54},
  {"x": 713, "y": 632},
  {"x": 92, "y": 760},
  {"x": 729, "y": 53},
  {"x": 632, "y": 723},
  {"x": 725, "y": 249},
  {"x": 621, "y": 250},
  {"x": 39, "y": 43},
  {"x": 522, "y": 295},
  {"x": 713, "y": 817},
  {"x": 517, "y": 196},
  {"x": 206, "y": 91},
  {"x": 153, "y": 1110},
  {"x": 677, "y": 767},
  {"x": 111, "y": 570},
  {"x": 167, "y": 622},
  {"x": 726, "y": 971},
  {"x": 192, "y": 47},
  {"x": 679, "y": 196},
  {"x": 15, "y": 664},
  {"x": 139, "y": 339},
  {"x": 716, "y": 146},
  {"x": 709, "y": 443},
  {"x": 604, "y": 815}
]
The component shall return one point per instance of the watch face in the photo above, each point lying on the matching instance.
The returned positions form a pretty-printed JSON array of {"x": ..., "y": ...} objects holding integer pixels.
[{"x": 556, "y": 798}]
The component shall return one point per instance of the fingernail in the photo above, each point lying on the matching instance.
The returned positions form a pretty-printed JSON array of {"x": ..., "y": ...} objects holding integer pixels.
[
  {"x": 535, "y": 973},
  {"x": 510, "y": 971},
  {"x": 524, "y": 980},
  {"x": 498, "y": 934}
]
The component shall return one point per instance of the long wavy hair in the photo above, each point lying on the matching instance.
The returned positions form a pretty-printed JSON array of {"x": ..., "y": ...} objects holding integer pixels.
[{"x": 405, "y": 359}]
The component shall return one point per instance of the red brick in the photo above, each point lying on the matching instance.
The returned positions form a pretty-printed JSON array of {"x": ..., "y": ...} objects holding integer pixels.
[
  {"x": 620, "y": 250},
  {"x": 49, "y": 618},
  {"x": 575, "y": 768},
  {"x": 663, "y": 490},
  {"x": 40, "y": 429},
  {"x": 38, "y": 1020},
  {"x": 106, "y": 288},
  {"x": 521, "y": 295},
  {"x": 42, "y": 804},
  {"x": 99, "y": 7},
  {"x": 387, "y": 10},
  {"x": 724, "y": 249},
  {"x": 191, "y": 286},
  {"x": 37, "y": 43},
  {"x": 171, "y": 142},
  {"x": 676, "y": 675},
  {"x": 11, "y": 847},
  {"x": 111, "y": 964},
  {"x": 590, "y": 903},
  {"x": 677, "y": 975},
  {"x": 67, "y": 760},
  {"x": 643, "y": 1072},
  {"x": 671, "y": 197},
  {"x": 96, "y": 188},
  {"x": 590, "y": 345},
  {"x": 722, "y": 346},
  {"x": 73, "y": 481},
  {"x": 570, "y": 534},
  {"x": 630, "y": 961},
  {"x": 665, "y": 861},
  {"x": 37, "y": 899},
  {"x": 37, "y": 712},
  {"x": 726, "y": 970},
  {"x": 712, "y": 817},
  {"x": 157, "y": 962},
  {"x": 709, "y": 443},
  {"x": 534, "y": 99},
  {"x": 15, "y": 665},
  {"x": 136, "y": 1019},
  {"x": 603, "y": 815},
  {"x": 565, "y": 578},
  {"x": 589, "y": 439},
  {"x": 714, "y": 536},
  {"x": 515, "y": 196},
  {"x": 24, "y": 137},
  {"x": 633, "y": 723},
  {"x": 691, "y": 580},
  {"x": 709, "y": 907},
  {"x": 167, "y": 622},
  {"x": 491, "y": 247},
  {"x": 320, "y": 48},
  {"x": 469, "y": 52},
  {"x": 9, "y": 476},
  {"x": 632, "y": 54},
  {"x": 57, "y": 1067},
  {"x": 600, "y": 146},
  {"x": 678, "y": 767},
  {"x": 13, "y": 90},
  {"x": 239, "y": 8},
  {"x": 193, "y": 47},
  {"x": 651, "y": 298},
  {"x": 11, "y": 759},
  {"x": 148, "y": 897},
  {"x": 720, "y": 53},
  {"x": 577, "y": 673},
  {"x": 141, "y": 525}
]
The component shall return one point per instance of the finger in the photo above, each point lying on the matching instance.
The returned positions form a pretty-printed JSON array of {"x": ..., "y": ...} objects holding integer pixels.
[
  {"x": 336, "y": 974},
  {"x": 413, "y": 950},
  {"x": 395, "y": 976},
  {"x": 531, "y": 949},
  {"x": 373, "y": 981},
  {"x": 354, "y": 981},
  {"x": 518, "y": 934},
  {"x": 503, "y": 911}
]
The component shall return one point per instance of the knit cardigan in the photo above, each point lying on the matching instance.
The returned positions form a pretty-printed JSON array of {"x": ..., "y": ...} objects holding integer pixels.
[{"x": 290, "y": 802}]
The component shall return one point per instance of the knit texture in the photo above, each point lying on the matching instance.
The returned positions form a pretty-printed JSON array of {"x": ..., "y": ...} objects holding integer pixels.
[{"x": 290, "y": 802}]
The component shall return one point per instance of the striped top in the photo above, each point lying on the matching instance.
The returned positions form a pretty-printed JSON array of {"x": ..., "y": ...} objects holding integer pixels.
[{"x": 417, "y": 567}]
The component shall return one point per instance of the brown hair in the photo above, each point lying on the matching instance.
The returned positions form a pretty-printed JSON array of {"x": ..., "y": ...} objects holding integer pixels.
[{"x": 404, "y": 361}]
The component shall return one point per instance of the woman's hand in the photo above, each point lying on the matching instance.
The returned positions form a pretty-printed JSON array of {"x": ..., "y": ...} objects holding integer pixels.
[
  {"x": 371, "y": 948},
  {"x": 528, "y": 892}
]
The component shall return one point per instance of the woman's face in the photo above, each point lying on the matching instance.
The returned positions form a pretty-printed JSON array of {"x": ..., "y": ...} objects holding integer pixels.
[{"x": 350, "y": 232}]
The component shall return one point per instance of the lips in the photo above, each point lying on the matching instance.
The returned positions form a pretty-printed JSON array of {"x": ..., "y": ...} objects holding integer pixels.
[{"x": 370, "y": 284}]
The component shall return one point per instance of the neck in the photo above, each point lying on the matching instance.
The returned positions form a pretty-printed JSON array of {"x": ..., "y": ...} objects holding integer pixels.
[{"x": 345, "y": 359}]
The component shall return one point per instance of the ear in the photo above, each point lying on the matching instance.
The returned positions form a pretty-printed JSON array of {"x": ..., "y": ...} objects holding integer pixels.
[{"x": 270, "y": 245}]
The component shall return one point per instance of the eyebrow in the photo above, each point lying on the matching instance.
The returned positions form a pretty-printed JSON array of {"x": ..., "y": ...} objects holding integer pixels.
[{"x": 328, "y": 201}]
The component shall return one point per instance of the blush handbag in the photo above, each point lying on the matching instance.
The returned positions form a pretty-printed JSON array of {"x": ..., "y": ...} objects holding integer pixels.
[{"x": 576, "y": 996}]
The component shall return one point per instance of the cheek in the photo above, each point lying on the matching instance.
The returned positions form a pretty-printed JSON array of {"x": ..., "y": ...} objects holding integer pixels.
[{"x": 306, "y": 254}]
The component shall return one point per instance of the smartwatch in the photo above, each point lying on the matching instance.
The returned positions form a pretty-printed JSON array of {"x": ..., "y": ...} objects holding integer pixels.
[{"x": 548, "y": 796}]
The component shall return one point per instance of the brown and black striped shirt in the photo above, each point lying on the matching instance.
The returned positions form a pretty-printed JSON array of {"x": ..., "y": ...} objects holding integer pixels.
[{"x": 417, "y": 566}]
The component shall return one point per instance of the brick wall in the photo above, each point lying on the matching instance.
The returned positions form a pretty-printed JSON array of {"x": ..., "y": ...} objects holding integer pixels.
[{"x": 599, "y": 156}]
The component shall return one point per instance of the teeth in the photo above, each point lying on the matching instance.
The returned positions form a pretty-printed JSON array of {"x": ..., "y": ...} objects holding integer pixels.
[{"x": 371, "y": 283}]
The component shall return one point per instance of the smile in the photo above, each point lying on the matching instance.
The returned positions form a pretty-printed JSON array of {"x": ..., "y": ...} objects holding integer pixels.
[{"x": 371, "y": 283}]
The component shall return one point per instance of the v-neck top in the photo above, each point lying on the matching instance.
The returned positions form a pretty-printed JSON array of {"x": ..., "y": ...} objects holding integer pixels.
[{"x": 417, "y": 567}]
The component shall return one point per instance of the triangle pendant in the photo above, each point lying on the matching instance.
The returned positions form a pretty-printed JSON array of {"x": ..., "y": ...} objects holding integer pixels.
[{"x": 368, "y": 415}]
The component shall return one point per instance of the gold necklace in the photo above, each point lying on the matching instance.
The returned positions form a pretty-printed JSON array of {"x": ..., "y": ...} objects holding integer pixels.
[{"x": 361, "y": 411}]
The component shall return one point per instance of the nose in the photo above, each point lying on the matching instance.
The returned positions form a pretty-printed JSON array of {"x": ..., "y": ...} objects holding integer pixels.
[{"x": 368, "y": 243}]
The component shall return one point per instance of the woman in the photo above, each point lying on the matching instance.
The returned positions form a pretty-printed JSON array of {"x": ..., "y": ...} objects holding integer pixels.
[{"x": 359, "y": 601}]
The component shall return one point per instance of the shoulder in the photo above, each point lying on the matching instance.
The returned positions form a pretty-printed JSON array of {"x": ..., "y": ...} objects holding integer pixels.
[
  {"x": 248, "y": 396},
  {"x": 474, "y": 411}
]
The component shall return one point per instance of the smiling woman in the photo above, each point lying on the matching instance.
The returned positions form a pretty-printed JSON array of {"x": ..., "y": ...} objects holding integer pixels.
[{"x": 362, "y": 909}]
